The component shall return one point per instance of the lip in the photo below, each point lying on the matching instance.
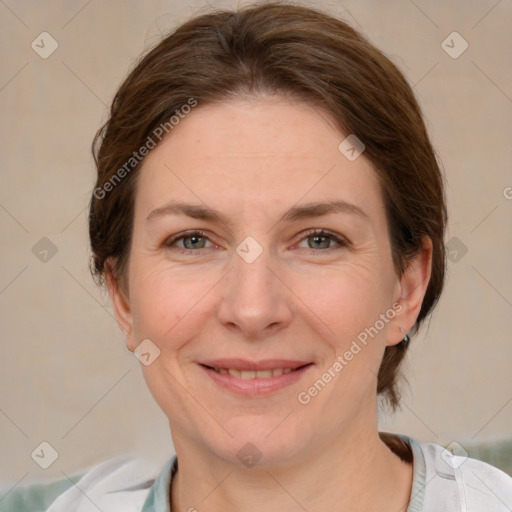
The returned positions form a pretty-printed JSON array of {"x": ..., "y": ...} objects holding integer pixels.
[
  {"x": 244, "y": 364},
  {"x": 257, "y": 386}
]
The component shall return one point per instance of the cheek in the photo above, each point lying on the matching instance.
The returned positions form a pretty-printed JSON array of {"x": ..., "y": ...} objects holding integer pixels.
[
  {"x": 343, "y": 307},
  {"x": 346, "y": 298},
  {"x": 166, "y": 302},
  {"x": 170, "y": 308}
]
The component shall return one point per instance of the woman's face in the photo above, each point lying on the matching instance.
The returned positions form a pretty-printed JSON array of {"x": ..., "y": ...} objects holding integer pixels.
[{"x": 257, "y": 286}]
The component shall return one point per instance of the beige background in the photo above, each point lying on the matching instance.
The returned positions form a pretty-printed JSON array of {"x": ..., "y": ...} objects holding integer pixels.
[{"x": 65, "y": 374}]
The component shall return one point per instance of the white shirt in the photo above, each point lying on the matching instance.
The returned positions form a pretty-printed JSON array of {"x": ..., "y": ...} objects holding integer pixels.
[{"x": 442, "y": 482}]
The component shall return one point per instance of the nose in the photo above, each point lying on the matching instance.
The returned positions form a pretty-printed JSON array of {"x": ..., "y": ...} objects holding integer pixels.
[{"x": 255, "y": 299}]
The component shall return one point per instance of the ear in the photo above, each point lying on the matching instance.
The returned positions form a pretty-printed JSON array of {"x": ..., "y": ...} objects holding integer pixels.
[
  {"x": 411, "y": 290},
  {"x": 120, "y": 303}
]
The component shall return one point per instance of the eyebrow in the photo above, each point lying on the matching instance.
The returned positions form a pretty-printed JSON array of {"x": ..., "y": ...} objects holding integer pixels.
[{"x": 306, "y": 211}]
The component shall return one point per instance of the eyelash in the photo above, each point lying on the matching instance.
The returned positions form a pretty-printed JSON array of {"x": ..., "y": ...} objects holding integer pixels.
[{"x": 313, "y": 232}]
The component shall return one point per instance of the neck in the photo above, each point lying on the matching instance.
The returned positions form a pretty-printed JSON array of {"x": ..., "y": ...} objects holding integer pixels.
[{"x": 355, "y": 471}]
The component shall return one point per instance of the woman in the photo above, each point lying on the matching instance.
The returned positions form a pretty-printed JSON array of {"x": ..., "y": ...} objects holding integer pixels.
[{"x": 269, "y": 218}]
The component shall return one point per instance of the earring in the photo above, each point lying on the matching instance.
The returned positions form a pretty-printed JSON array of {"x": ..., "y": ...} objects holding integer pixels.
[{"x": 406, "y": 339}]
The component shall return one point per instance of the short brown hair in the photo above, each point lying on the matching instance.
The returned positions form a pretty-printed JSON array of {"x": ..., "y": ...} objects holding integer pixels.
[{"x": 312, "y": 57}]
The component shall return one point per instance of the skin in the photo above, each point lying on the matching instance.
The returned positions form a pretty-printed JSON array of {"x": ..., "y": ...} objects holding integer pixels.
[{"x": 303, "y": 298}]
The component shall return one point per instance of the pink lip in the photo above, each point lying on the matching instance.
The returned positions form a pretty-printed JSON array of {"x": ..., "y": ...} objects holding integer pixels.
[
  {"x": 256, "y": 387},
  {"x": 243, "y": 364}
]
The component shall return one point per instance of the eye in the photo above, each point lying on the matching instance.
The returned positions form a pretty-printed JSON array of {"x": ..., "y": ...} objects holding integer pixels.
[
  {"x": 191, "y": 240},
  {"x": 197, "y": 239},
  {"x": 322, "y": 239}
]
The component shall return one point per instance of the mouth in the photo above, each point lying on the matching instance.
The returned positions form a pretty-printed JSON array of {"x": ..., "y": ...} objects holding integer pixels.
[
  {"x": 252, "y": 379},
  {"x": 251, "y": 374}
]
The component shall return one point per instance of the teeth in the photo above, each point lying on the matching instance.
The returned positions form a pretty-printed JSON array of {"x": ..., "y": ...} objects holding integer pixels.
[{"x": 249, "y": 374}]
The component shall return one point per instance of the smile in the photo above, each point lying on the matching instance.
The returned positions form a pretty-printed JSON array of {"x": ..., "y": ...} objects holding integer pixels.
[
  {"x": 248, "y": 374},
  {"x": 255, "y": 382}
]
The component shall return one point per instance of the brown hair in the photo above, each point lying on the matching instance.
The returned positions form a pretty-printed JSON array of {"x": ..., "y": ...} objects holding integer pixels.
[{"x": 312, "y": 57}]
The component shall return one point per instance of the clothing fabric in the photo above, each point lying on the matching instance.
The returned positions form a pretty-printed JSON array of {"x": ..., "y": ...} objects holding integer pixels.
[{"x": 442, "y": 482}]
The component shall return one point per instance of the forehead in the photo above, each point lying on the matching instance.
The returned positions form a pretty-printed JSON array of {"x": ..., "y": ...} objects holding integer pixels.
[{"x": 253, "y": 154}]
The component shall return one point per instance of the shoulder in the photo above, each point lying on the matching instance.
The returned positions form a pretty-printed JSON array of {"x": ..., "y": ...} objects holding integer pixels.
[
  {"x": 119, "y": 483},
  {"x": 463, "y": 483}
]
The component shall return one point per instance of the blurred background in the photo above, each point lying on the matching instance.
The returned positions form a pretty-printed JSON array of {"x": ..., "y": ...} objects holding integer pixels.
[{"x": 66, "y": 377}]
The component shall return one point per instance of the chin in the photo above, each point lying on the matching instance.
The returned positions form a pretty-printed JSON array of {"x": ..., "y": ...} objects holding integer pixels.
[{"x": 260, "y": 441}]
